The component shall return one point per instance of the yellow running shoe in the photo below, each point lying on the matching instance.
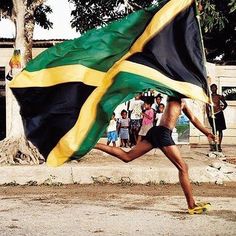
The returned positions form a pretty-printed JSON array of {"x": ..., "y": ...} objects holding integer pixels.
[{"x": 200, "y": 208}]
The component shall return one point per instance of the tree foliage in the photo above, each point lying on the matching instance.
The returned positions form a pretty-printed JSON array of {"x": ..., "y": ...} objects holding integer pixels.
[
  {"x": 90, "y": 14},
  {"x": 25, "y": 14},
  {"x": 40, "y": 14},
  {"x": 6, "y": 7},
  {"x": 41, "y": 18},
  {"x": 218, "y": 22}
]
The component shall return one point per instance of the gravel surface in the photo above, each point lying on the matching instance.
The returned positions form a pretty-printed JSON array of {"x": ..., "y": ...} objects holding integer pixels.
[{"x": 110, "y": 210}]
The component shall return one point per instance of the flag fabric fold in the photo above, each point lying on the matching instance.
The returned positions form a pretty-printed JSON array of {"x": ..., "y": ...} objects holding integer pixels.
[{"x": 67, "y": 94}]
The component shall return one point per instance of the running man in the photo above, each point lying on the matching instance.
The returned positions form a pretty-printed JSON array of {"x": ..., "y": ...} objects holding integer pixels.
[{"x": 160, "y": 137}]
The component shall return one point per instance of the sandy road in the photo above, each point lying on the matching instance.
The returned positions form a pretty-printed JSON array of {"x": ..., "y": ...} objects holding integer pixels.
[{"x": 114, "y": 210}]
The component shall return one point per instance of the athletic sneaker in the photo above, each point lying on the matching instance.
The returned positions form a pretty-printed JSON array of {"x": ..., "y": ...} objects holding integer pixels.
[{"x": 200, "y": 208}]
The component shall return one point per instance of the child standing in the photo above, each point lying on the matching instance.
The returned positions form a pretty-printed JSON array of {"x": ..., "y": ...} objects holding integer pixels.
[
  {"x": 111, "y": 131},
  {"x": 135, "y": 109},
  {"x": 159, "y": 115},
  {"x": 124, "y": 129},
  {"x": 148, "y": 118}
]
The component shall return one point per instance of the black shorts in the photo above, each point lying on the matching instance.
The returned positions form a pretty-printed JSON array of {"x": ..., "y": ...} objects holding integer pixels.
[
  {"x": 219, "y": 121},
  {"x": 159, "y": 136}
]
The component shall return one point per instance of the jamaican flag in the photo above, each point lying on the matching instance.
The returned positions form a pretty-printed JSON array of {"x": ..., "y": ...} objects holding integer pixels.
[{"x": 67, "y": 94}]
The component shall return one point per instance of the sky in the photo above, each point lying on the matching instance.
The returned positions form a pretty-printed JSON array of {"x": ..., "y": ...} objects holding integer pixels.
[{"x": 61, "y": 23}]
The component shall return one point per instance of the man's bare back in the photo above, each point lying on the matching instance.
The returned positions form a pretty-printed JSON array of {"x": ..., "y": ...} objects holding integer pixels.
[
  {"x": 173, "y": 110},
  {"x": 171, "y": 114}
]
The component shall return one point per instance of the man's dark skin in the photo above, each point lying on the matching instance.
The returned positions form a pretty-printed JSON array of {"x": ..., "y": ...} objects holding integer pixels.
[
  {"x": 168, "y": 120},
  {"x": 219, "y": 104}
]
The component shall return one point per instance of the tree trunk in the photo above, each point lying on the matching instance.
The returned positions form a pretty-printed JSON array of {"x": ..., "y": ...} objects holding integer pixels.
[{"x": 15, "y": 149}]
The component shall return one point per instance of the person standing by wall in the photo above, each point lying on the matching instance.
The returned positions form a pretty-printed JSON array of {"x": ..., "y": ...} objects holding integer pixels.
[
  {"x": 148, "y": 119},
  {"x": 157, "y": 102},
  {"x": 219, "y": 104},
  {"x": 135, "y": 109},
  {"x": 123, "y": 126},
  {"x": 159, "y": 115},
  {"x": 160, "y": 137},
  {"x": 155, "y": 106},
  {"x": 112, "y": 131}
]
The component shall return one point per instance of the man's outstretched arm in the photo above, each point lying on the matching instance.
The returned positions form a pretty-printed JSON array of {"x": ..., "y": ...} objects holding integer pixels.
[{"x": 196, "y": 122}]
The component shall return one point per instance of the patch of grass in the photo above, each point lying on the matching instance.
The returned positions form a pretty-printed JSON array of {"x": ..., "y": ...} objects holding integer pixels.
[{"x": 181, "y": 128}]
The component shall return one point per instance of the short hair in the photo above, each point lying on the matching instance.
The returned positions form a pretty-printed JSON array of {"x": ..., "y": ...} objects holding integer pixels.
[
  {"x": 114, "y": 114},
  {"x": 162, "y": 104},
  {"x": 171, "y": 98},
  {"x": 159, "y": 96},
  {"x": 213, "y": 85},
  {"x": 148, "y": 100},
  {"x": 123, "y": 111}
]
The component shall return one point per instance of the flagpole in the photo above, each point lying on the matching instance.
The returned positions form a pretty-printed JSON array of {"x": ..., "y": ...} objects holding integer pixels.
[{"x": 204, "y": 59}]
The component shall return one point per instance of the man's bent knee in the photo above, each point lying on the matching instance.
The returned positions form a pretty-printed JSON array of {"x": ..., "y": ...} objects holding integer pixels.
[{"x": 126, "y": 157}]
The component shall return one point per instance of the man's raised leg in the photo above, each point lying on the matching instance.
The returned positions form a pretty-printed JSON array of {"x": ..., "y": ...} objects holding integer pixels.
[{"x": 139, "y": 150}]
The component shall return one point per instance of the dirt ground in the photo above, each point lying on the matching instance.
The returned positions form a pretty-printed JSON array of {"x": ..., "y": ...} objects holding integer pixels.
[
  {"x": 231, "y": 160},
  {"x": 111, "y": 210},
  {"x": 99, "y": 192}
]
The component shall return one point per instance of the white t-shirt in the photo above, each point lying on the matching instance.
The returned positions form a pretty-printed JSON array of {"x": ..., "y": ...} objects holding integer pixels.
[
  {"x": 158, "y": 118},
  {"x": 111, "y": 126},
  {"x": 154, "y": 106},
  {"x": 124, "y": 122},
  {"x": 136, "y": 108}
]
